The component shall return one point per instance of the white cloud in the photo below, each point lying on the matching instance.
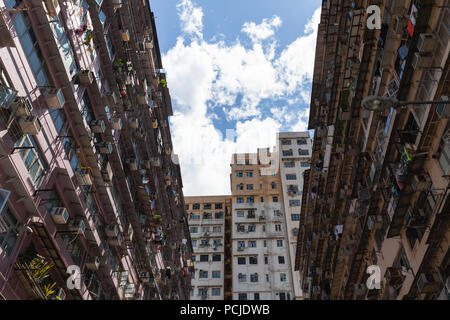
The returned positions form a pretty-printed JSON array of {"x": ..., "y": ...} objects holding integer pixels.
[
  {"x": 203, "y": 75},
  {"x": 190, "y": 18},
  {"x": 262, "y": 31}
]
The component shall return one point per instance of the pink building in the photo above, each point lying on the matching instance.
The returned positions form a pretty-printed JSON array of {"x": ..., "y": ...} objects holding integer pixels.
[{"x": 87, "y": 177}]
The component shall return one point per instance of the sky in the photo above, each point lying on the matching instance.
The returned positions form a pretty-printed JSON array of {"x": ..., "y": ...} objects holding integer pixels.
[{"x": 238, "y": 72}]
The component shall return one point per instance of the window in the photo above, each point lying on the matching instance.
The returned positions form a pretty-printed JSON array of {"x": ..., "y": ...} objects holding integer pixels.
[
  {"x": 217, "y": 229},
  {"x": 252, "y": 227},
  {"x": 67, "y": 53},
  {"x": 262, "y": 199},
  {"x": 254, "y": 277},
  {"x": 280, "y": 259},
  {"x": 186, "y": 207},
  {"x": 274, "y": 199},
  {"x": 291, "y": 177},
  {"x": 194, "y": 216},
  {"x": 194, "y": 230},
  {"x": 239, "y": 174},
  {"x": 31, "y": 48},
  {"x": 250, "y": 187},
  {"x": 202, "y": 291},
  {"x": 217, "y": 242},
  {"x": 277, "y": 213},
  {"x": 282, "y": 277},
  {"x": 8, "y": 229},
  {"x": 267, "y": 278},
  {"x": 279, "y": 243},
  {"x": 218, "y": 206},
  {"x": 304, "y": 164},
  {"x": 294, "y": 203},
  {"x": 253, "y": 260},
  {"x": 444, "y": 158},
  {"x": 203, "y": 274},
  {"x": 256, "y": 296},
  {"x": 274, "y": 185},
  {"x": 287, "y": 153},
  {"x": 252, "y": 244},
  {"x": 216, "y": 274},
  {"x": 250, "y": 199},
  {"x": 242, "y": 296},
  {"x": 295, "y": 232},
  {"x": 282, "y": 296},
  {"x": 266, "y": 260},
  {"x": 218, "y": 215},
  {"x": 278, "y": 227},
  {"x": 207, "y": 206},
  {"x": 251, "y": 214},
  {"x": 196, "y": 206},
  {"x": 240, "y": 200},
  {"x": 32, "y": 159},
  {"x": 207, "y": 215},
  {"x": 286, "y": 142},
  {"x": 302, "y": 152},
  {"x": 265, "y": 243},
  {"x": 241, "y": 244},
  {"x": 241, "y": 260},
  {"x": 109, "y": 46},
  {"x": 205, "y": 229},
  {"x": 240, "y": 214},
  {"x": 217, "y": 257},
  {"x": 249, "y": 174},
  {"x": 242, "y": 277},
  {"x": 289, "y": 164},
  {"x": 194, "y": 258},
  {"x": 301, "y": 141},
  {"x": 295, "y": 217},
  {"x": 204, "y": 258},
  {"x": 215, "y": 292},
  {"x": 194, "y": 243},
  {"x": 240, "y": 228}
]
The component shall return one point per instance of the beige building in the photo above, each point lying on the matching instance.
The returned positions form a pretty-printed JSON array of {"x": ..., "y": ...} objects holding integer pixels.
[{"x": 206, "y": 216}]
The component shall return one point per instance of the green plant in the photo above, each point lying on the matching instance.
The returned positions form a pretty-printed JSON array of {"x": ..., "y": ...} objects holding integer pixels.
[
  {"x": 157, "y": 217},
  {"x": 40, "y": 267},
  {"x": 163, "y": 82},
  {"x": 48, "y": 289}
]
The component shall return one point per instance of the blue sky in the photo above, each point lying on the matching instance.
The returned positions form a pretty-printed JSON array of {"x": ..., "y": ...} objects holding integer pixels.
[{"x": 238, "y": 72}]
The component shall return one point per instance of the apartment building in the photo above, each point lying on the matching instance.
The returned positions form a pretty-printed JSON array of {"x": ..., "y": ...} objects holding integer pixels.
[
  {"x": 88, "y": 178},
  {"x": 207, "y": 227},
  {"x": 261, "y": 267},
  {"x": 377, "y": 192},
  {"x": 294, "y": 152}
]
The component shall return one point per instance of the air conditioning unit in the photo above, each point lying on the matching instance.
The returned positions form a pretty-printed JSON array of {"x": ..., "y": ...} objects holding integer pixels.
[
  {"x": 104, "y": 147},
  {"x": 117, "y": 4},
  {"x": 115, "y": 242},
  {"x": 426, "y": 42},
  {"x": 93, "y": 263},
  {"x": 98, "y": 126},
  {"x": 61, "y": 294},
  {"x": 52, "y": 7},
  {"x": 116, "y": 123},
  {"x": 30, "y": 125},
  {"x": 427, "y": 284},
  {"x": 421, "y": 60},
  {"x": 112, "y": 231},
  {"x": 155, "y": 162},
  {"x": 128, "y": 235},
  {"x": 83, "y": 177},
  {"x": 54, "y": 98},
  {"x": 107, "y": 173},
  {"x": 420, "y": 182},
  {"x": 149, "y": 44},
  {"x": 132, "y": 164},
  {"x": 60, "y": 215},
  {"x": 375, "y": 222},
  {"x": 142, "y": 98},
  {"x": 85, "y": 77},
  {"x": 125, "y": 35},
  {"x": 134, "y": 123},
  {"x": 400, "y": 25},
  {"x": 77, "y": 226},
  {"x": 144, "y": 276},
  {"x": 443, "y": 109}
]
